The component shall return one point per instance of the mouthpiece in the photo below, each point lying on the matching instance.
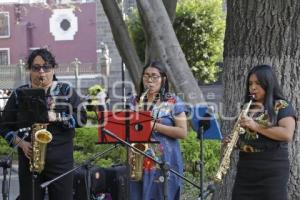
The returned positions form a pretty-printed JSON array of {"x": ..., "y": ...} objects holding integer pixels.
[{"x": 41, "y": 81}]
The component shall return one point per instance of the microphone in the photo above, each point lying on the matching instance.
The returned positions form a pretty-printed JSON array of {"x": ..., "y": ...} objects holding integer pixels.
[
  {"x": 26, "y": 134},
  {"x": 205, "y": 120},
  {"x": 21, "y": 130},
  {"x": 209, "y": 190}
]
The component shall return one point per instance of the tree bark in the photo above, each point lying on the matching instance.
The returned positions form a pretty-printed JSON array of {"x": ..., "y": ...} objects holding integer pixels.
[
  {"x": 122, "y": 39},
  {"x": 261, "y": 32},
  {"x": 170, "y": 6},
  {"x": 164, "y": 46}
]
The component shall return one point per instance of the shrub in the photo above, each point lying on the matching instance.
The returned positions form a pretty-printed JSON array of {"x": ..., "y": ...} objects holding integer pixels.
[
  {"x": 4, "y": 148},
  {"x": 86, "y": 146},
  {"x": 191, "y": 154},
  {"x": 199, "y": 27}
]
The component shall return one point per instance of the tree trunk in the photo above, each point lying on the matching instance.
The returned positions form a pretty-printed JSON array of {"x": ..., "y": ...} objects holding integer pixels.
[
  {"x": 164, "y": 45},
  {"x": 261, "y": 32},
  {"x": 122, "y": 39},
  {"x": 150, "y": 51},
  {"x": 170, "y": 6}
]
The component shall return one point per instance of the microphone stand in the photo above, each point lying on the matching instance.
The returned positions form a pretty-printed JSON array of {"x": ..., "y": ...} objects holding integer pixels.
[
  {"x": 204, "y": 124},
  {"x": 6, "y": 163},
  {"x": 86, "y": 164}
]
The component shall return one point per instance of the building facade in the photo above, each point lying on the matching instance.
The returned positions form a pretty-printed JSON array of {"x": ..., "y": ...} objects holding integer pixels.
[{"x": 68, "y": 31}]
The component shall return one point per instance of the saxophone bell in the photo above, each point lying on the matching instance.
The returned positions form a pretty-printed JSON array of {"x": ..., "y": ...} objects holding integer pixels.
[{"x": 40, "y": 138}]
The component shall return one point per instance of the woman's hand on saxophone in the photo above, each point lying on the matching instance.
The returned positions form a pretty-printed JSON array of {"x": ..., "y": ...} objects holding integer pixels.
[
  {"x": 248, "y": 123},
  {"x": 227, "y": 139}
]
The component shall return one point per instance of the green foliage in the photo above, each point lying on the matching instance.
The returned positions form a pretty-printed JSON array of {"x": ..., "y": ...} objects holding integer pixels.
[
  {"x": 4, "y": 148},
  {"x": 191, "y": 154},
  {"x": 86, "y": 139},
  {"x": 92, "y": 119},
  {"x": 136, "y": 33},
  {"x": 93, "y": 90},
  {"x": 199, "y": 26}
]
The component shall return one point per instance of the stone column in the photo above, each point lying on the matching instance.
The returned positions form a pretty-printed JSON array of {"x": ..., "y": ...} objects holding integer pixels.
[
  {"x": 76, "y": 64},
  {"x": 104, "y": 60},
  {"x": 22, "y": 72}
]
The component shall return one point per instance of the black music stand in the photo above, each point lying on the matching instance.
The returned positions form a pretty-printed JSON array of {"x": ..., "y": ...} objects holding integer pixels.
[
  {"x": 33, "y": 107},
  {"x": 205, "y": 124}
]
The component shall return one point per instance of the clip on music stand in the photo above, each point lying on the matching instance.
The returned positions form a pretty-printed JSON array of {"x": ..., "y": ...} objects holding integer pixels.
[
  {"x": 33, "y": 107},
  {"x": 205, "y": 124}
]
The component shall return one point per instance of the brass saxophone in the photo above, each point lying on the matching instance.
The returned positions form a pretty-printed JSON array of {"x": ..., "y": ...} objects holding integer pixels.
[
  {"x": 39, "y": 139},
  {"x": 136, "y": 159},
  {"x": 237, "y": 130}
]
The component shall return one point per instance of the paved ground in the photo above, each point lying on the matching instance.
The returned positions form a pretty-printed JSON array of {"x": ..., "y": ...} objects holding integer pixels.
[{"x": 14, "y": 183}]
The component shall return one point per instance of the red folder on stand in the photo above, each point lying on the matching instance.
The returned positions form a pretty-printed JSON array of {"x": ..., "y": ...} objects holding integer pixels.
[{"x": 130, "y": 126}]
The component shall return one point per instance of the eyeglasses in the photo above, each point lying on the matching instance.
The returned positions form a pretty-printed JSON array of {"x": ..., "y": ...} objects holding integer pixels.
[
  {"x": 37, "y": 68},
  {"x": 147, "y": 77}
]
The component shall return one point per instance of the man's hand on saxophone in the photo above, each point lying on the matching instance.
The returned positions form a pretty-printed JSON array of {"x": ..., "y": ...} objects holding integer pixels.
[
  {"x": 27, "y": 149},
  {"x": 25, "y": 146}
]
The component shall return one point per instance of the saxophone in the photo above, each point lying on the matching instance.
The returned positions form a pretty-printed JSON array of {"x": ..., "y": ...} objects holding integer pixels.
[
  {"x": 136, "y": 159},
  {"x": 39, "y": 139},
  {"x": 237, "y": 130}
]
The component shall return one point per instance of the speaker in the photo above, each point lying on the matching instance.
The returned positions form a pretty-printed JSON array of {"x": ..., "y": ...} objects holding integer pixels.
[
  {"x": 80, "y": 182},
  {"x": 110, "y": 182},
  {"x": 116, "y": 182}
]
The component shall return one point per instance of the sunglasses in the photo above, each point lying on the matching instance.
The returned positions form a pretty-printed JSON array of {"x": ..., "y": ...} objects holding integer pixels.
[{"x": 37, "y": 68}]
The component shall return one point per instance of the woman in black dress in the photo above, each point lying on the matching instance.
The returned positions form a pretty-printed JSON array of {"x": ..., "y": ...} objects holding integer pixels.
[{"x": 263, "y": 166}]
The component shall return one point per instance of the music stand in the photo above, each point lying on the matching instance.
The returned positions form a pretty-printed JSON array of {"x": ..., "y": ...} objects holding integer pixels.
[
  {"x": 33, "y": 107},
  {"x": 129, "y": 126},
  {"x": 205, "y": 124}
]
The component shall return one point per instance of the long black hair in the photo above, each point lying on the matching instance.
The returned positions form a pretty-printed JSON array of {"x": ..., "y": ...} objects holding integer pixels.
[
  {"x": 268, "y": 81},
  {"x": 47, "y": 57},
  {"x": 164, "y": 89}
]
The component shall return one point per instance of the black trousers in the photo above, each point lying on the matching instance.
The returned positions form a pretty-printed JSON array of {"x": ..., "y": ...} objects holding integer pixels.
[{"x": 61, "y": 189}]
